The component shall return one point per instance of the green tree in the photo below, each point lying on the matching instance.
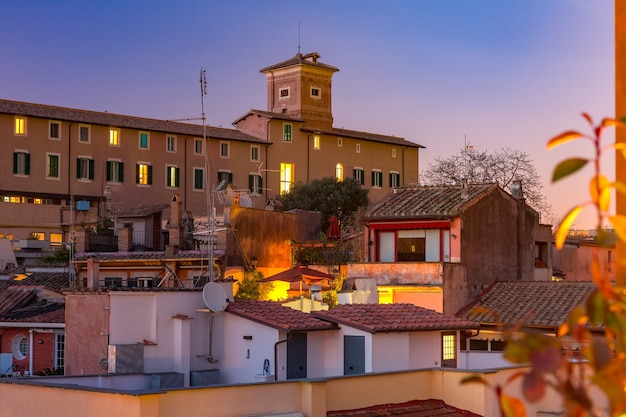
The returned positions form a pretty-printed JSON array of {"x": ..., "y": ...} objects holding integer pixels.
[
  {"x": 250, "y": 288},
  {"x": 329, "y": 197}
]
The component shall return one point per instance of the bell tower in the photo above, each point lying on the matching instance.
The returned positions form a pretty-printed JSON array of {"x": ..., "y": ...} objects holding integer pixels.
[{"x": 301, "y": 87}]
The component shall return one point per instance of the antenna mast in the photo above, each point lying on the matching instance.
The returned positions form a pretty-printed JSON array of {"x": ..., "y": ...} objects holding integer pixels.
[
  {"x": 207, "y": 176},
  {"x": 298, "y": 36}
]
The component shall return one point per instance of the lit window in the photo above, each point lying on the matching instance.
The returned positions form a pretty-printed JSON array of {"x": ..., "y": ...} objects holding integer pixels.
[
  {"x": 316, "y": 142},
  {"x": 358, "y": 148},
  {"x": 393, "y": 153},
  {"x": 198, "y": 148},
  {"x": 55, "y": 130},
  {"x": 340, "y": 142},
  {"x": 114, "y": 137},
  {"x": 56, "y": 239},
  {"x": 52, "y": 165},
  {"x": 198, "y": 179},
  {"x": 287, "y": 132},
  {"x": 394, "y": 179},
  {"x": 449, "y": 346},
  {"x": 115, "y": 171},
  {"x": 84, "y": 168},
  {"x": 171, "y": 144},
  {"x": 339, "y": 172},
  {"x": 144, "y": 140},
  {"x": 255, "y": 184},
  {"x": 255, "y": 151},
  {"x": 286, "y": 177},
  {"x": 359, "y": 175},
  {"x": 143, "y": 174},
  {"x": 21, "y": 163},
  {"x": 225, "y": 175},
  {"x": 84, "y": 134},
  {"x": 20, "y": 125},
  {"x": 377, "y": 178},
  {"x": 173, "y": 176},
  {"x": 283, "y": 92},
  {"x": 224, "y": 150},
  {"x": 316, "y": 93}
]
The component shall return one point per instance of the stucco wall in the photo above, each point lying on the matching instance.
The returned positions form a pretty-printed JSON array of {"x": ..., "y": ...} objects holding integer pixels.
[
  {"x": 399, "y": 273},
  {"x": 267, "y": 234}
]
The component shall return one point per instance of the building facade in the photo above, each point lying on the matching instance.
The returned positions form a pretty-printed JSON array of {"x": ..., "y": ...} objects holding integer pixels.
[{"x": 64, "y": 167}]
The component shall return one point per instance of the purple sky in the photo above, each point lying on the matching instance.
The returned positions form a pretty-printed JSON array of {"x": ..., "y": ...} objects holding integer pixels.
[{"x": 501, "y": 73}]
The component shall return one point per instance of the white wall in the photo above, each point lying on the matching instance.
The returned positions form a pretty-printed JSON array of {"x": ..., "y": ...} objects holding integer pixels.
[
  {"x": 243, "y": 359},
  {"x": 425, "y": 350},
  {"x": 325, "y": 354},
  {"x": 390, "y": 351}
]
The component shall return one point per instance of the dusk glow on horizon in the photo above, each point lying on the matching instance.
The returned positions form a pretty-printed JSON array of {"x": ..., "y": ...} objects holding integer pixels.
[{"x": 438, "y": 73}]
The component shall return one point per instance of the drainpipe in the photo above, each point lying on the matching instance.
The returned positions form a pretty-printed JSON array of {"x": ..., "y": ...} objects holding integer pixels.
[{"x": 276, "y": 354}]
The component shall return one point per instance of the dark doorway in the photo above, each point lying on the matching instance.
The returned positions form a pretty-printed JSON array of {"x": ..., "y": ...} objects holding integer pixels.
[
  {"x": 353, "y": 355},
  {"x": 296, "y": 356}
]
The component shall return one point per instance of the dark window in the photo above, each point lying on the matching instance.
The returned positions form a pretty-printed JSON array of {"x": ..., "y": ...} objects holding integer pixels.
[
  {"x": 84, "y": 168},
  {"x": 411, "y": 249},
  {"x": 225, "y": 175},
  {"x": 54, "y": 130},
  {"x": 21, "y": 163},
  {"x": 113, "y": 282},
  {"x": 479, "y": 344},
  {"x": 198, "y": 179},
  {"x": 498, "y": 345}
]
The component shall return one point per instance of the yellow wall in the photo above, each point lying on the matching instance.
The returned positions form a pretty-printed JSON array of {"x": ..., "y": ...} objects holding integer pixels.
[{"x": 620, "y": 111}]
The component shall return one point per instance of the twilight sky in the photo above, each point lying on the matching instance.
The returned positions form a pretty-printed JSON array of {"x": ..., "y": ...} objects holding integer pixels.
[{"x": 501, "y": 73}]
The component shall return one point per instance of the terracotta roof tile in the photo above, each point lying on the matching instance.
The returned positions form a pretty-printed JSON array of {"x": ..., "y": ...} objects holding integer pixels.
[
  {"x": 268, "y": 114},
  {"x": 140, "y": 256},
  {"x": 416, "y": 408},
  {"x": 142, "y": 211},
  {"x": 309, "y": 59},
  {"x": 355, "y": 134},
  {"x": 118, "y": 120},
  {"x": 529, "y": 303},
  {"x": 439, "y": 201},
  {"x": 49, "y": 280},
  {"x": 277, "y": 316},
  {"x": 29, "y": 303},
  {"x": 374, "y": 318}
]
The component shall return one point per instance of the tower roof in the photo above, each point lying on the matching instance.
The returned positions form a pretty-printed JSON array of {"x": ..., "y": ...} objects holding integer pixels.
[{"x": 310, "y": 59}]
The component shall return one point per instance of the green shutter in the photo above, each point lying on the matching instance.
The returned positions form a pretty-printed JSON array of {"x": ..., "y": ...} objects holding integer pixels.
[
  {"x": 121, "y": 173},
  {"x": 168, "y": 176},
  {"x": 15, "y": 162},
  {"x": 251, "y": 183},
  {"x": 149, "y": 174},
  {"x": 91, "y": 169},
  {"x": 230, "y": 177},
  {"x": 137, "y": 173},
  {"x": 390, "y": 179},
  {"x": 373, "y": 178},
  {"x": 27, "y": 165},
  {"x": 77, "y": 167},
  {"x": 197, "y": 181},
  {"x": 54, "y": 166},
  {"x": 109, "y": 163},
  {"x": 177, "y": 177},
  {"x": 260, "y": 184}
]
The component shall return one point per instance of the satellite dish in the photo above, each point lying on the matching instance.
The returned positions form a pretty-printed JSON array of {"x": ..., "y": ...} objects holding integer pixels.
[{"x": 214, "y": 297}]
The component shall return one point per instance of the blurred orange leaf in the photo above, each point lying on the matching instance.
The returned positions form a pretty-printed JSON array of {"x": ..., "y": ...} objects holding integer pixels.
[
  {"x": 564, "y": 137},
  {"x": 568, "y": 167},
  {"x": 619, "y": 224},
  {"x": 608, "y": 122},
  {"x": 587, "y": 118},
  {"x": 600, "y": 191},
  {"x": 512, "y": 407},
  {"x": 565, "y": 225}
]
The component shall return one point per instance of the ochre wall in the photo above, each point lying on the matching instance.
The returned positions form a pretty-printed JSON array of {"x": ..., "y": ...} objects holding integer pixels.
[{"x": 620, "y": 111}]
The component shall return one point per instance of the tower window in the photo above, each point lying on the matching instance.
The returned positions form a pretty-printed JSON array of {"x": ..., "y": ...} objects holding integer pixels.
[
  {"x": 316, "y": 92},
  {"x": 283, "y": 92}
]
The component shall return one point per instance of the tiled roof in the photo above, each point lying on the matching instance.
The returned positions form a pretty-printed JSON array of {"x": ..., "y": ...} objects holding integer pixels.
[
  {"x": 118, "y": 120},
  {"x": 308, "y": 59},
  {"x": 30, "y": 304},
  {"x": 441, "y": 201},
  {"x": 355, "y": 134},
  {"x": 268, "y": 114},
  {"x": 142, "y": 211},
  {"x": 141, "y": 255},
  {"x": 416, "y": 408},
  {"x": 528, "y": 303},
  {"x": 49, "y": 280},
  {"x": 375, "y": 318},
  {"x": 277, "y": 316}
]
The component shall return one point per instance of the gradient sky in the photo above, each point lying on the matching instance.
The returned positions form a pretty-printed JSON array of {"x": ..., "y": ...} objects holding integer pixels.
[{"x": 499, "y": 73}]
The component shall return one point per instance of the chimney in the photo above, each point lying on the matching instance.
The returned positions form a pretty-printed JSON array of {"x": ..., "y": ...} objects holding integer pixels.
[
  {"x": 464, "y": 187},
  {"x": 516, "y": 189},
  {"x": 93, "y": 273},
  {"x": 175, "y": 225}
]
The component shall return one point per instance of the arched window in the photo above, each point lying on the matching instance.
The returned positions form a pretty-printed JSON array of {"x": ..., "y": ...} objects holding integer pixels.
[{"x": 339, "y": 172}]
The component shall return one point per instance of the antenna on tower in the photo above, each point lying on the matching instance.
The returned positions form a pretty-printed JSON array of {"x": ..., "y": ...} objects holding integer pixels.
[{"x": 298, "y": 36}]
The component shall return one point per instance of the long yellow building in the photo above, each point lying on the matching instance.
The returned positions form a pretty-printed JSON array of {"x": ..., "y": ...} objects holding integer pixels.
[{"x": 63, "y": 166}]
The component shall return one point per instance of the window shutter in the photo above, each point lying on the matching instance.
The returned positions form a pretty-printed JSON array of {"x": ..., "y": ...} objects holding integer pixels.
[
  {"x": 54, "y": 165},
  {"x": 390, "y": 179},
  {"x": 177, "y": 177},
  {"x": 27, "y": 165},
  {"x": 230, "y": 177},
  {"x": 91, "y": 169},
  {"x": 149, "y": 174},
  {"x": 15, "y": 162},
  {"x": 120, "y": 175},
  {"x": 373, "y": 178},
  {"x": 260, "y": 184},
  {"x": 137, "y": 173},
  {"x": 109, "y": 163},
  {"x": 398, "y": 177},
  {"x": 251, "y": 183},
  {"x": 77, "y": 167}
]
